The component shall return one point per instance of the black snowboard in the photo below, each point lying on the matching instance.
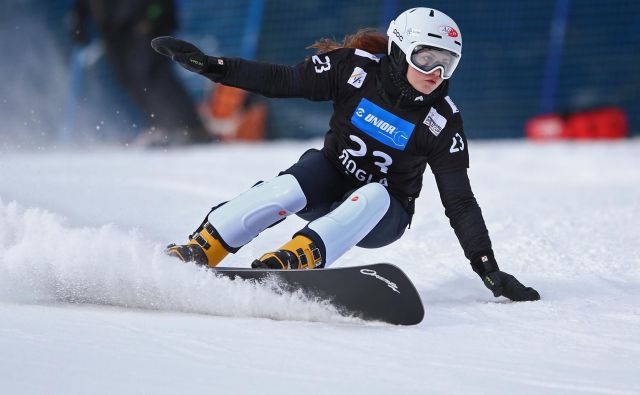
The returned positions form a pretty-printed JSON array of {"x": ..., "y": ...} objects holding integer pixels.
[{"x": 380, "y": 292}]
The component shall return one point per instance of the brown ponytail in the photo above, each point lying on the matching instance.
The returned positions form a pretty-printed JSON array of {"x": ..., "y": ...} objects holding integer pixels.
[{"x": 367, "y": 39}]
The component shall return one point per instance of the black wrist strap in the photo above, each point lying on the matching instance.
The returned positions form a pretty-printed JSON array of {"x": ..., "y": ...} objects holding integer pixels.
[
  {"x": 484, "y": 263},
  {"x": 215, "y": 66}
]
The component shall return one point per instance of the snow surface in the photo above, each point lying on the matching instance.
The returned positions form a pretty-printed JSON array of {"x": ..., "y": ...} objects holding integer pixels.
[{"x": 88, "y": 303}]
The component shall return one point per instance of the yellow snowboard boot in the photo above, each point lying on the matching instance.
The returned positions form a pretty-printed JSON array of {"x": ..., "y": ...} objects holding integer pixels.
[
  {"x": 203, "y": 248},
  {"x": 299, "y": 253}
]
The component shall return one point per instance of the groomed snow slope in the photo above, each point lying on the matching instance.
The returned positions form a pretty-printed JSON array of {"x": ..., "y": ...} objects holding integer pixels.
[{"x": 88, "y": 303}]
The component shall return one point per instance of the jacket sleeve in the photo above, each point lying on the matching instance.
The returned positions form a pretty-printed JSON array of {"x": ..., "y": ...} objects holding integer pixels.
[
  {"x": 448, "y": 149},
  {"x": 317, "y": 78},
  {"x": 464, "y": 213}
]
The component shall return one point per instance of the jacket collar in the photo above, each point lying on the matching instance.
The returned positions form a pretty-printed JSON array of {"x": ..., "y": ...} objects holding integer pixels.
[{"x": 394, "y": 87}]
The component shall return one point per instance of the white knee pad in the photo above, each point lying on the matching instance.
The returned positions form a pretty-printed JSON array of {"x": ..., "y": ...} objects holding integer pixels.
[
  {"x": 244, "y": 217},
  {"x": 351, "y": 221}
]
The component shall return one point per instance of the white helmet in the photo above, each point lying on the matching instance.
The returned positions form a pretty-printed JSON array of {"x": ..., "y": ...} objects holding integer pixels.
[{"x": 429, "y": 40}]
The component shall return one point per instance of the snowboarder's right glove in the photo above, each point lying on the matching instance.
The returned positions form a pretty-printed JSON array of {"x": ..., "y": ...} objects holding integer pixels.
[
  {"x": 190, "y": 57},
  {"x": 501, "y": 283}
]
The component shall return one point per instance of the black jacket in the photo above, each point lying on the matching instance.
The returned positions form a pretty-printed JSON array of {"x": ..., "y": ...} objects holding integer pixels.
[{"x": 376, "y": 137}]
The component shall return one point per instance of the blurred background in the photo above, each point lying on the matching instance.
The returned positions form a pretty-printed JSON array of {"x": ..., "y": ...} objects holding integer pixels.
[{"x": 82, "y": 72}]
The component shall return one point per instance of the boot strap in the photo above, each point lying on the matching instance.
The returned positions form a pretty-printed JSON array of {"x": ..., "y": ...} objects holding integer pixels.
[
  {"x": 198, "y": 238},
  {"x": 304, "y": 261}
]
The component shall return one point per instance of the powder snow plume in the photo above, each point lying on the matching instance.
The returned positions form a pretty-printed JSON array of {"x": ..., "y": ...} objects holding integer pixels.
[{"x": 42, "y": 260}]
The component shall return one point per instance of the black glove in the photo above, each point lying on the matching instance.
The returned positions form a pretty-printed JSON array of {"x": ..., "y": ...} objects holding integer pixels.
[
  {"x": 499, "y": 282},
  {"x": 189, "y": 56}
]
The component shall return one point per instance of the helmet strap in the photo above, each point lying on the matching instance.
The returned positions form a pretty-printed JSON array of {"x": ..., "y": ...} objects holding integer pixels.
[{"x": 397, "y": 60}]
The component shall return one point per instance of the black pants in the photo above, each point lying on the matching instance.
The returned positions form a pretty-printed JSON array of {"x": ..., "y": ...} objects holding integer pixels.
[{"x": 325, "y": 188}]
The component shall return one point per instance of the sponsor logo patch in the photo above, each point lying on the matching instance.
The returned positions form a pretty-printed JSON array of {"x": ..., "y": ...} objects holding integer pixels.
[
  {"x": 357, "y": 77},
  {"x": 366, "y": 54},
  {"x": 449, "y": 31},
  {"x": 435, "y": 122},
  {"x": 382, "y": 125}
]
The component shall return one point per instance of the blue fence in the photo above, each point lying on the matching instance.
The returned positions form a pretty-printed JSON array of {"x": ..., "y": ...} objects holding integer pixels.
[{"x": 519, "y": 59}]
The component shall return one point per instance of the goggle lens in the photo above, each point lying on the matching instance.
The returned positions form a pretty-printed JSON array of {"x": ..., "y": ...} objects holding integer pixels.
[{"x": 427, "y": 59}]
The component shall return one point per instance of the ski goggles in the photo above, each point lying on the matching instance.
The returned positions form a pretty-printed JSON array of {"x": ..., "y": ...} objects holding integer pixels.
[{"x": 426, "y": 59}]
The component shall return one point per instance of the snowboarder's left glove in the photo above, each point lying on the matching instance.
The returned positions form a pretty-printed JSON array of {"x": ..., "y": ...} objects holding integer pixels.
[
  {"x": 189, "y": 56},
  {"x": 499, "y": 282}
]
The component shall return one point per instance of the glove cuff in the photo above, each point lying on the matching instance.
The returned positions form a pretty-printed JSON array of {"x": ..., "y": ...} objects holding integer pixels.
[
  {"x": 484, "y": 262},
  {"x": 214, "y": 67}
]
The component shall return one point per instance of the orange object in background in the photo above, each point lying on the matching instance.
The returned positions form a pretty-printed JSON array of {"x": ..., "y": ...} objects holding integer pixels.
[
  {"x": 612, "y": 123},
  {"x": 226, "y": 100},
  {"x": 580, "y": 126},
  {"x": 545, "y": 127},
  {"x": 230, "y": 115},
  {"x": 601, "y": 123}
]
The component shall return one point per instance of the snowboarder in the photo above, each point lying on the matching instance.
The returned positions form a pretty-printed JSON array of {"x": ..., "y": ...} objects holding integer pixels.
[{"x": 392, "y": 116}]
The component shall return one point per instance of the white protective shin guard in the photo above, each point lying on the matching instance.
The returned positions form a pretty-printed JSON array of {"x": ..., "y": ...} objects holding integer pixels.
[
  {"x": 241, "y": 219},
  {"x": 352, "y": 220}
]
